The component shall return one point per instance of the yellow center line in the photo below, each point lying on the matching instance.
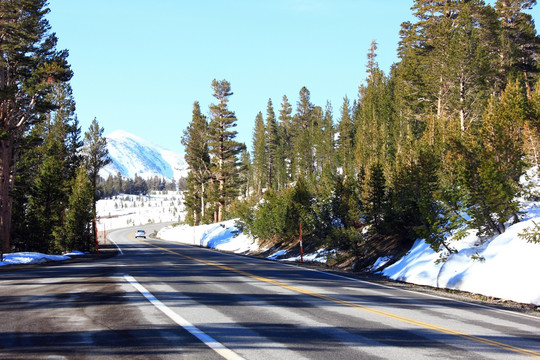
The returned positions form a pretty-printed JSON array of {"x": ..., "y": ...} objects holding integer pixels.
[{"x": 355, "y": 305}]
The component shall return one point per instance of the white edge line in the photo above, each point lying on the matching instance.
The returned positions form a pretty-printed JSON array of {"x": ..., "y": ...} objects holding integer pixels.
[
  {"x": 205, "y": 338},
  {"x": 115, "y": 244}
]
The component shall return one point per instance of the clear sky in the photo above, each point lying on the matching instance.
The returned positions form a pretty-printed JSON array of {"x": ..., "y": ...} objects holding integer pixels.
[{"x": 139, "y": 65}]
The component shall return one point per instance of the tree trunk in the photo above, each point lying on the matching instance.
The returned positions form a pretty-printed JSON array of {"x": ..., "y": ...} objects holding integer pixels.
[
  {"x": 462, "y": 104},
  {"x": 221, "y": 205},
  {"x": 6, "y": 156},
  {"x": 202, "y": 202}
]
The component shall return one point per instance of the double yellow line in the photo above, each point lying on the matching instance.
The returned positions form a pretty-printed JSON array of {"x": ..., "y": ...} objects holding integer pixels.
[{"x": 356, "y": 306}]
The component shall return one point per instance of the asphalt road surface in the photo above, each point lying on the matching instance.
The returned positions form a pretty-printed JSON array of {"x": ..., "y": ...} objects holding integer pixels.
[{"x": 161, "y": 300}]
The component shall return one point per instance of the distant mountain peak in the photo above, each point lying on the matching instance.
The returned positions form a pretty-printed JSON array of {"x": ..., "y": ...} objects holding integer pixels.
[{"x": 132, "y": 154}]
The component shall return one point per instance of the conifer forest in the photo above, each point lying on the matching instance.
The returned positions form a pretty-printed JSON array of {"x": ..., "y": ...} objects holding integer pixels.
[
  {"x": 433, "y": 148},
  {"x": 48, "y": 170}
]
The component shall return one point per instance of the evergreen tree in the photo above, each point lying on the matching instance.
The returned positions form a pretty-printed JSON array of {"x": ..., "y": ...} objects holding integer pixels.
[
  {"x": 519, "y": 42},
  {"x": 302, "y": 137},
  {"x": 197, "y": 157},
  {"x": 374, "y": 118},
  {"x": 95, "y": 156},
  {"x": 325, "y": 156},
  {"x": 260, "y": 154},
  {"x": 446, "y": 56},
  {"x": 272, "y": 144},
  {"x": 345, "y": 141},
  {"x": 375, "y": 200},
  {"x": 246, "y": 175},
  {"x": 77, "y": 234},
  {"x": 224, "y": 149},
  {"x": 46, "y": 204},
  {"x": 284, "y": 150},
  {"x": 490, "y": 163}
]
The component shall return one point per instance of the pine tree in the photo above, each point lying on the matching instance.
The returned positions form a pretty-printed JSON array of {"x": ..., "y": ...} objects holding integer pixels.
[
  {"x": 29, "y": 64},
  {"x": 375, "y": 196},
  {"x": 345, "y": 141},
  {"x": 224, "y": 149},
  {"x": 284, "y": 150},
  {"x": 77, "y": 234},
  {"x": 519, "y": 42},
  {"x": 374, "y": 118},
  {"x": 246, "y": 175},
  {"x": 490, "y": 163},
  {"x": 447, "y": 57},
  {"x": 302, "y": 137},
  {"x": 96, "y": 156},
  {"x": 325, "y": 157},
  {"x": 272, "y": 144},
  {"x": 197, "y": 157},
  {"x": 260, "y": 154}
]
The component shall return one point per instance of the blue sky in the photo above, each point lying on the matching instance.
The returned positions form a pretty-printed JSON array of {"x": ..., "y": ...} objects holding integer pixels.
[{"x": 139, "y": 65}]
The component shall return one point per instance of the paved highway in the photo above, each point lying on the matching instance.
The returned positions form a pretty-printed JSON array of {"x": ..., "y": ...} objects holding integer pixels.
[{"x": 161, "y": 300}]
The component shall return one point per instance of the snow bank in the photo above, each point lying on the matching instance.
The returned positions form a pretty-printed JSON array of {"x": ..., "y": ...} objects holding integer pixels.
[
  {"x": 221, "y": 236},
  {"x": 30, "y": 258},
  {"x": 504, "y": 267}
]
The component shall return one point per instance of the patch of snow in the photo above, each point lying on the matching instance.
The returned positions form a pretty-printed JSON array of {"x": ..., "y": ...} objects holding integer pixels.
[
  {"x": 277, "y": 254},
  {"x": 221, "y": 236},
  {"x": 74, "y": 253},
  {"x": 320, "y": 255},
  {"x": 30, "y": 258},
  {"x": 502, "y": 267},
  {"x": 379, "y": 263}
]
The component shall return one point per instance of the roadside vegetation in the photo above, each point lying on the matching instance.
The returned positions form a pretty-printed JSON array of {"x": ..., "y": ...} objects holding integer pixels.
[{"x": 433, "y": 148}]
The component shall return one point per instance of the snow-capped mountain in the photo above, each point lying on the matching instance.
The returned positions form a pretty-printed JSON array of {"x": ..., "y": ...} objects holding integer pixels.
[{"x": 131, "y": 154}]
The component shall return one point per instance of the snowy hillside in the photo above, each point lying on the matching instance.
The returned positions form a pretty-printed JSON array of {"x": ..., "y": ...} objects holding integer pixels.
[{"x": 132, "y": 155}]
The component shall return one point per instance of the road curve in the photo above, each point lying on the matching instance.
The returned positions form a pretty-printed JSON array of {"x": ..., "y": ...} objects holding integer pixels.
[{"x": 167, "y": 300}]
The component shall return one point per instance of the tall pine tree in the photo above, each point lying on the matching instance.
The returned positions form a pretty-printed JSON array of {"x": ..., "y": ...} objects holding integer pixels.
[
  {"x": 197, "y": 157},
  {"x": 224, "y": 149},
  {"x": 260, "y": 154},
  {"x": 96, "y": 156},
  {"x": 272, "y": 144}
]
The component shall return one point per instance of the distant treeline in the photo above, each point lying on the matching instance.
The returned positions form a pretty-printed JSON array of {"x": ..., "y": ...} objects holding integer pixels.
[{"x": 119, "y": 184}]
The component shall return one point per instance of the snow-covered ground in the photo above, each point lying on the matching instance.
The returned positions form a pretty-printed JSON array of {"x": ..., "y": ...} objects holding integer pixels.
[{"x": 133, "y": 210}]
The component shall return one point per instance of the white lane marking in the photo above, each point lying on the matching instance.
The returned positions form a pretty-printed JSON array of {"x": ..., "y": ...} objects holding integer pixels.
[
  {"x": 206, "y": 339},
  {"x": 115, "y": 244}
]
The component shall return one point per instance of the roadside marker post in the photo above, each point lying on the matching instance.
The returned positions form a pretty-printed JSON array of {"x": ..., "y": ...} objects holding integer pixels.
[
  {"x": 96, "y": 235},
  {"x": 301, "y": 245}
]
